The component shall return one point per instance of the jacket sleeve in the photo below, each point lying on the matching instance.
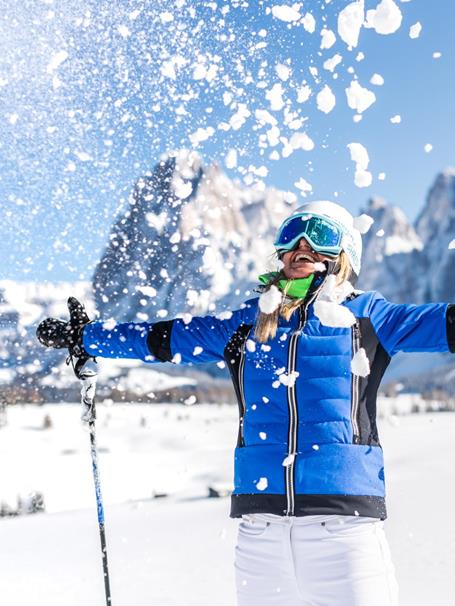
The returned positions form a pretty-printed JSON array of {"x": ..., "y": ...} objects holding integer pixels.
[
  {"x": 203, "y": 339},
  {"x": 412, "y": 328}
]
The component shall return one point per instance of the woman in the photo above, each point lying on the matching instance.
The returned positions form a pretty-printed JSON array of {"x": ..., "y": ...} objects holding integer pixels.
[{"x": 306, "y": 359}]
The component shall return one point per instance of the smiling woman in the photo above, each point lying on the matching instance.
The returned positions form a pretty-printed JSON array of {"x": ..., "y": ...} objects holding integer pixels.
[
  {"x": 300, "y": 262},
  {"x": 306, "y": 359}
]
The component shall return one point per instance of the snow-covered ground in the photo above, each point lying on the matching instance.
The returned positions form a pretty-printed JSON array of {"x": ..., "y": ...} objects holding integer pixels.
[{"x": 179, "y": 550}]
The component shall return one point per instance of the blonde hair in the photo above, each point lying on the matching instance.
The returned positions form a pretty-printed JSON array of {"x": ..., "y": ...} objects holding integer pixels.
[{"x": 267, "y": 324}]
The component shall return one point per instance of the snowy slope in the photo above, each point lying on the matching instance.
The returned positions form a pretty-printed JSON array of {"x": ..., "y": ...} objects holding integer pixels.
[{"x": 179, "y": 550}]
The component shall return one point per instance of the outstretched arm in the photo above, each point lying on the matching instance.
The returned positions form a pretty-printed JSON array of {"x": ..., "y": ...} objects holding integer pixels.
[
  {"x": 203, "y": 339},
  {"x": 414, "y": 328}
]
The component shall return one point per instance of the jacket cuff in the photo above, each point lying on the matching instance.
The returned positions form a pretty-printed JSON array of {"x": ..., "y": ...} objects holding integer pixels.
[
  {"x": 450, "y": 326},
  {"x": 159, "y": 340}
]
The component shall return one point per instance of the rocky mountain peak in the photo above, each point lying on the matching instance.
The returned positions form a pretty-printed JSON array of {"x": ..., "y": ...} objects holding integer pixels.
[
  {"x": 191, "y": 241},
  {"x": 436, "y": 228},
  {"x": 389, "y": 250}
]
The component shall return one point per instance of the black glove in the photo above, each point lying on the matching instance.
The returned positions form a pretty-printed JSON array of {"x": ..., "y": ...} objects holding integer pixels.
[{"x": 59, "y": 334}]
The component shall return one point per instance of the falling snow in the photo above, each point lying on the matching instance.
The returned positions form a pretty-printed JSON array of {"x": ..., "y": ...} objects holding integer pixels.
[
  {"x": 359, "y": 155},
  {"x": 270, "y": 300},
  {"x": 286, "y": 13},
  {"x": 334, "y": 315},
  {"x": 359, "y": 97},
  {"x": 385, "y": 18},
  {"x": 415, "y": 30},
  {"x": 363, "y": 223},
  {"x": 326, "y": 100},
  {"x": 350, "y": 21},
  {"x": 262, "y": 484},
  {"x": 360, "y": 364}
]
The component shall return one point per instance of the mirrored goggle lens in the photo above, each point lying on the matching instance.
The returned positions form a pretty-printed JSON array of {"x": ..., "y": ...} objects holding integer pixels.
[{"x": 320, "y": 233}]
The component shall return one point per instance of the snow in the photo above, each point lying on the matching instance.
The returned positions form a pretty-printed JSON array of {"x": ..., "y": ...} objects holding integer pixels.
[
  {"x": 190, "y": 400},
  {"x": 270, "y": 300},
  {"x": 289, "y": 379},
  {"x": 251, "y": 345},
  {"x": 325, "y": 100},
  {"x": 124, "y": 31},
  {"x": 334, "y": 315},
  {"x": 301, "y": 141},
  {"x": 286, "y": 13},
  {"x": 363, "y": 178},
  {"x": 159, "y": 550},
  {"x": 397, "y": 244},
  {"x": 328, "y": 38},
  {"x": 363, "y": 223},
  {"x": 359, "y": 155},
  {"x": 283, "y": 71},
  {"x": 275, "y": 97},
  {"x": 303, "y": 93},
  {"x": 309, "y": 23},
  {"x": 333, "y": 292},
  {"x": 56, "y": 61},
  {"x": 265, "y": 117},
  {"x": 360, "y": 364},
  {"x": 377, "y": 80},
  {"x": 109, "y": 324},
  {"x": 415, "y": 30},
  {"x": 304, "y": 186},
  {"x": 231, "y": 159},
  {"x": 262, "y": 484},
  {"x": 451, "y": 245},
  {"x": 200, "y": 135},
  {"x": 359, "y": 97},
  {"x": 350, "y": 21},
  {"x": 289, "y": 460},
  {"x": 238, "y": 119},
  {"x": 182, "y": 189},
  {"x": 166, "y": 17},
  {"x": 83, "y": 156},
  {"x": 385, "y": 19},
  {"x": 330, "y": 64}
]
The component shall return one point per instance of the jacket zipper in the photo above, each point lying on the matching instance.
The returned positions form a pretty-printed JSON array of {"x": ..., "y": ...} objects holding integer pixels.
[
  {"x": 293, "y": 412},
  {"x": 241, "y": 380},
  {"x": 355, "y": 387}
]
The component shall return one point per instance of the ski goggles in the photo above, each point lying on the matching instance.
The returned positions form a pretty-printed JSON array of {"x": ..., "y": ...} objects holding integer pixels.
[{"x": 323, "y": 235}]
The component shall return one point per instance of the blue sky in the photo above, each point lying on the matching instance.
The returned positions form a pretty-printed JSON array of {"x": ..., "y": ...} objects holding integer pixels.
[{"x": 86, "y": 109}]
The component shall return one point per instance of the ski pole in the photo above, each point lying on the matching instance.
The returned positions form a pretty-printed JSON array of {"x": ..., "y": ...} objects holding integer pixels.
[{"x": 88, "y": 375}]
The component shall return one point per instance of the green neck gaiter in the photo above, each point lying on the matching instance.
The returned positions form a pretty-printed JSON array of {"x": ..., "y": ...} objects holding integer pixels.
[{"x": 297, "y": 289}]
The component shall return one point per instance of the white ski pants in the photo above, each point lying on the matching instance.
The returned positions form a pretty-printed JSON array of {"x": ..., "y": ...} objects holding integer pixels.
[{"x": 313, "y": 561}]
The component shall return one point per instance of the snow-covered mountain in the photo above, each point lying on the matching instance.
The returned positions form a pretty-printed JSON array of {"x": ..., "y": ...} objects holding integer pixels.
[
  {"x": 436, "y": 228},
  {"x": 391, "y": 250},
  {"x": 190, "y": 241},
  {"x": 408, "y": 262}
]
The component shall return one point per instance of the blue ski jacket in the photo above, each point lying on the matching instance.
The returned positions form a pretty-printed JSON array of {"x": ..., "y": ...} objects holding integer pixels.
[{"x": 307, "y": 442}]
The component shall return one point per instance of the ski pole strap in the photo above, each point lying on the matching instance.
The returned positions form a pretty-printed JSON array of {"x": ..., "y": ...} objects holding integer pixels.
[{"x": 87, "y": 374}]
